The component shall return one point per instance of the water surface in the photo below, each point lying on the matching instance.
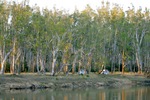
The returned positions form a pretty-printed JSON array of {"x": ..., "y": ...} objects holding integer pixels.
[{"x": 128, "y": 93}]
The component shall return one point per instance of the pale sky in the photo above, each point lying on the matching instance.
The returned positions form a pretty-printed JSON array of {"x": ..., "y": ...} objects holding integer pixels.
[{"x": 70, "y": 5}]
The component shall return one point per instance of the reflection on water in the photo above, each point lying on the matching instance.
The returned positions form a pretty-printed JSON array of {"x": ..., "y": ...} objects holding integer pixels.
[{"x": 134, "y": 93}]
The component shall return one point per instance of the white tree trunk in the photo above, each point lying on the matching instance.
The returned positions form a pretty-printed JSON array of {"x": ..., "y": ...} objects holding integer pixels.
[
  {"x": 37, "y": 62},
  {"x": 138, "y": 43},
  {"x": 17, "y": 60},
  {"x": 138, "y": 60},
  {"x": 42, "y": 65},
  {"x": 13, "y": 57},
  {"x": 53, "y": 62},
  {"x": 3, "y": 62},
  {"x": 2, "y": 68},
  {"x": 13, "y": 64}
]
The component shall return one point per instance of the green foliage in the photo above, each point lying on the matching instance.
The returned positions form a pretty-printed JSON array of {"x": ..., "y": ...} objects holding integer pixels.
[{"x": 101, "y": 34}]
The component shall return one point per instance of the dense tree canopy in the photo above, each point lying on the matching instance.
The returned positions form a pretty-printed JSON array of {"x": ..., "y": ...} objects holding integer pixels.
[{"x": 35, "y": 40}]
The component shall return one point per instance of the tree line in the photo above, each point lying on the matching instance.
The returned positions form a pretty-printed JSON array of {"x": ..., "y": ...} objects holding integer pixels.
[{"x": 35, "y": 40}]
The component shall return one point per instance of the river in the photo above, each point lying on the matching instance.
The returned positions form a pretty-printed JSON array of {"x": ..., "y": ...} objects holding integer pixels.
[{"x": 125, "y": 93}]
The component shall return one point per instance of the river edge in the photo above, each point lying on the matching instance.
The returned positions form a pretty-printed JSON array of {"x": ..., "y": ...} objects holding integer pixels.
[{"x": 34, "y": 81}]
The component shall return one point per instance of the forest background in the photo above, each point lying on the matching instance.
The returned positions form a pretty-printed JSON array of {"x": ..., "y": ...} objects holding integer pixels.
[{"x": 35, "y": 40}]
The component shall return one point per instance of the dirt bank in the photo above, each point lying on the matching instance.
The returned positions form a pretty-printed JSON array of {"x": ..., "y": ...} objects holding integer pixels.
[{"x": 34, "y": 81}]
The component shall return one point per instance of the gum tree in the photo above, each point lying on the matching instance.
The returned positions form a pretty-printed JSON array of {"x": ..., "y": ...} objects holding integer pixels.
[{"x": 5, "y": 48}]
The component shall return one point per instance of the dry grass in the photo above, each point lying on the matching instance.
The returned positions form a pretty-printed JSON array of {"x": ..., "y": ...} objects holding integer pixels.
[
  {"x": 128, "y": 73},
  {"x": 34, "y": 78}
]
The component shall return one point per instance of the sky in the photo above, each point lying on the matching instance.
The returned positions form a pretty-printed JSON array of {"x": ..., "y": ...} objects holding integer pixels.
[{"x": 70, "y": 5}]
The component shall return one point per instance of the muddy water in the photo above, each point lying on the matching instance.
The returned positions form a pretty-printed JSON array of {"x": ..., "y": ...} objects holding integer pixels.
[{"x": 124, "y": 93}]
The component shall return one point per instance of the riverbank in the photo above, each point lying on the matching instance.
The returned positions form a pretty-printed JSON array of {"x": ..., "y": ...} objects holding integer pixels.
[{"x": 34, "y": 81}]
